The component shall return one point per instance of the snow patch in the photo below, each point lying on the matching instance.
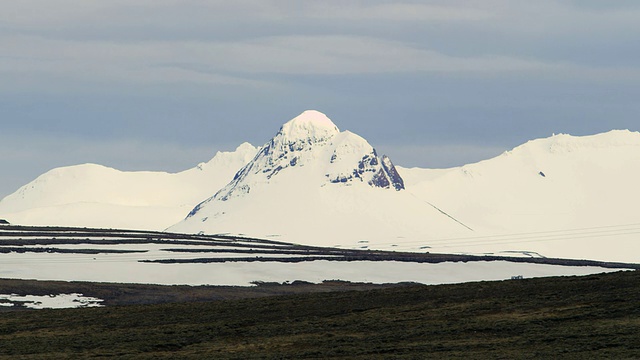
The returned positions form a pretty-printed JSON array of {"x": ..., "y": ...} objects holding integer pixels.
[
  {"x": 124, "y": 269},
  {"x": 60, "y": 301}
]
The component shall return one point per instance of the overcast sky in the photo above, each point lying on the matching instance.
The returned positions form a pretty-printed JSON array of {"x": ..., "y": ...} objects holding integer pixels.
[{"x": 164, "y": 84}]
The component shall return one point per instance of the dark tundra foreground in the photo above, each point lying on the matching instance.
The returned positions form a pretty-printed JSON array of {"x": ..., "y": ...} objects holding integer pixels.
[{"x": 595, "y": 316}]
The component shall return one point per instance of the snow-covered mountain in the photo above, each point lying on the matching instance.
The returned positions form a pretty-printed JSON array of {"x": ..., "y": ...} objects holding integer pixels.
[
  {"x": 98, "y": 196},
  {"x": 313, "y": 184},
  {"x": 312, "y": 142},
  {"x": 562, "y": 196}
]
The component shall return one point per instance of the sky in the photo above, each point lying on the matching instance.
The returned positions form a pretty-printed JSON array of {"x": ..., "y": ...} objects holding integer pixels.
[{"x": 164, "y": 84}]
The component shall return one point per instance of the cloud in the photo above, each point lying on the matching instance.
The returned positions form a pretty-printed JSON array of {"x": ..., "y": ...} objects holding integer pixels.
[
  {"x": 395, "y": 11},
  {"x": 355, "y": 55},
  {"x": 231, "y": 63},
  {"x": 30, "y": 58},
  {"x": 40, "y": 63},
  {"x": 251, "y": 43},
  {"x": 69, "y": 13}
]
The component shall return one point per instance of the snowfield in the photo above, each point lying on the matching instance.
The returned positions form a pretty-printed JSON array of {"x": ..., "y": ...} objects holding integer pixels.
[
  {"x": 60, "y": 301},
  {"x": 126, "y": 269},
  {"x": 168, "y": 258},
  {"x": 562, "y": 196}
]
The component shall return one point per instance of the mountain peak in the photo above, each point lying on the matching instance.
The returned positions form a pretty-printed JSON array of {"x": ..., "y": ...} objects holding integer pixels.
[
  {"x": 242, "y": 155},
  {"x": 310, "y": 152},
  {"x": 310, "y": 125}
]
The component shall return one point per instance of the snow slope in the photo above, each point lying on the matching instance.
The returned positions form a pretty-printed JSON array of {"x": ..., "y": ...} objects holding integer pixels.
[
  {"x": 98, "y": 196},
  {"x": 563, "y": 196},
  {"x": 313, "y": 184}
]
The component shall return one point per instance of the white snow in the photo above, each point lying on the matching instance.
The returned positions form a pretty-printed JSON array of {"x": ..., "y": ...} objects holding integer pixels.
[
  {"x": 125, "y": 268},
  {"x": 59, "y": 301},
  {"x": 128, "y": 267},
  {"x": 562, "y": 196},
  {"x": 311, "y": 124},
  {"x": 97, "y": 196}
]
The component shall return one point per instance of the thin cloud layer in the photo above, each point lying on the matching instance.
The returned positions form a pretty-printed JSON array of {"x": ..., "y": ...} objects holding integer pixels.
[{"x": 225, "y": 43}]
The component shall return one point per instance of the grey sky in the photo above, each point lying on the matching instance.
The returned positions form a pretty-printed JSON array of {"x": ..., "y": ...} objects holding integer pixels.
[{"x": 164, "y": 84}]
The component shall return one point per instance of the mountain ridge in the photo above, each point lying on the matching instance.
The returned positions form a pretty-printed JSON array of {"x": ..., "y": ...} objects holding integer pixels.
[
  {"x": 73, "y": 195},
  {"x": 314, "y": 184}
]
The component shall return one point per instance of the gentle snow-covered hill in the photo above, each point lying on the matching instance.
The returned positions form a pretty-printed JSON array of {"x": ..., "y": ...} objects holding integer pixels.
[
  {"x": 313, "y": 184},
  {"x": 97, "y": 196},
  {"x": 562, "y": 196}
]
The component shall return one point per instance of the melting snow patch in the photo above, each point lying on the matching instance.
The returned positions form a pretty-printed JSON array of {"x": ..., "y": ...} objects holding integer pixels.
[{"x": 61, "y": 301}]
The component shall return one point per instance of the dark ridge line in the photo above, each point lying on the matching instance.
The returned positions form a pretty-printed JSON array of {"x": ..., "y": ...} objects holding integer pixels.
[
  {"x": 22, "y": 250},
  {"x": 20, "y": 242},
  {"x": 414, "y": 259},
  {"x": 155, "y": 237},
  {"x": 257, "y": 251},
  {"x": 442, "y": 212},
  {"x": 28, "y": 231},
  {"x": 135, "y": 233},
  {"x": 449, "y": 216},
  {"x": 71, "y": 241},
  {"x": 102, "y": 234}
]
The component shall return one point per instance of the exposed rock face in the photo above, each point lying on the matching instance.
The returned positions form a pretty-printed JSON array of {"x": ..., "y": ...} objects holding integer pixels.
[
  {"x": 392, "y": 173},
  {"x": 384, "y": 173}
]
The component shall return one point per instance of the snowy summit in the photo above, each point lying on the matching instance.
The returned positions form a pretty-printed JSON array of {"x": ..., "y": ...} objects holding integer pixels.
[
  {"x": 311, "y": 178},
  {"x": 309, "y": 150},
  {"x": 310, "y": 126}
]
